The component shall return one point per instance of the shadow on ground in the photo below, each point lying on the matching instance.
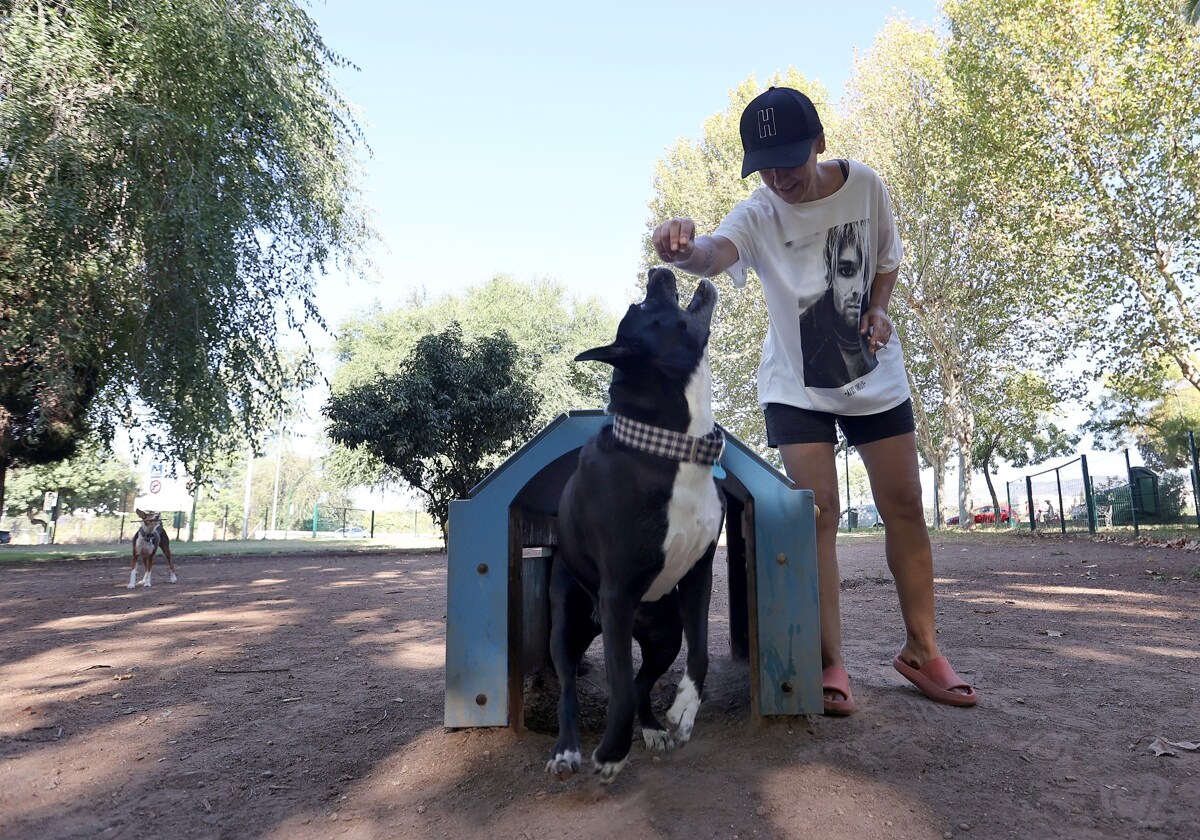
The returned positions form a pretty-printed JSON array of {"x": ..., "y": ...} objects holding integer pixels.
[{"x": 296, "y": 697}]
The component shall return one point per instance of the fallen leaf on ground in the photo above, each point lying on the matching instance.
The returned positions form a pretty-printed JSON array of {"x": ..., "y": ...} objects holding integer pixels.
[{"x": 1161, "y": 746}]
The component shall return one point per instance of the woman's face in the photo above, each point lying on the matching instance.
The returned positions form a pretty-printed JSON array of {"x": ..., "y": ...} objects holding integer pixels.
[
  {"x": 798, "y": 183},
  {"x": 848, "y": 282}
]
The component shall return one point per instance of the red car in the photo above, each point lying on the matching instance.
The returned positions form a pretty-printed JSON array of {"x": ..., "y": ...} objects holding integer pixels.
[{"x": 985, "y": 515}]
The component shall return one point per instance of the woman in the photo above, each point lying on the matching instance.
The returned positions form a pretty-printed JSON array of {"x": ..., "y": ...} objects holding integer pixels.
[{"x": 783, "y": 232}]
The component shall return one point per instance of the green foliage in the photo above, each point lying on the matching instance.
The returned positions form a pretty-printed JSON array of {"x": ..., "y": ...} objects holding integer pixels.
[
  {"x": 1019, "y": 425},
  {"x": 973, "y": 327},
  {"x": 94, "y": 479},
  {"x": 1089, "y": 110},
  {"x": 548, "y": 328},
  {"x": 174, "y": 174},
  {"x": 1156, "y": 419},
  {"x": 301, "y": 485},
  {"x": 448, "y": 415}
]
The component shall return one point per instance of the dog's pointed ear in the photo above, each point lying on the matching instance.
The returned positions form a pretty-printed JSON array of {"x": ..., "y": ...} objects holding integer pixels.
[
  {"x": 140, "y": 513},
  {"x": 611, "y": 354}
]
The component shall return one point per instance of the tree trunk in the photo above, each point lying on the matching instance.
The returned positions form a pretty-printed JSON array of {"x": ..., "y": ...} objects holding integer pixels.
[{"x": 4, "y": 462}]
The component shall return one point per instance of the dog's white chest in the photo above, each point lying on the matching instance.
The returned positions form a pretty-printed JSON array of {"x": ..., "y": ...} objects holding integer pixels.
[{"x": 693, "y": 523}]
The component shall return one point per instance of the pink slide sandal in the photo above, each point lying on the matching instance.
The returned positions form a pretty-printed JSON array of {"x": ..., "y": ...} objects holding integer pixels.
[
  {"x": 835, "y": 678},
  {"x": 937, "y": 681}
]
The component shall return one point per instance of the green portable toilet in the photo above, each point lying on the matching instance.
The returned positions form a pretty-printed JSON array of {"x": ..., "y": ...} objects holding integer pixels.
[{"x": 1143, "y": 488}]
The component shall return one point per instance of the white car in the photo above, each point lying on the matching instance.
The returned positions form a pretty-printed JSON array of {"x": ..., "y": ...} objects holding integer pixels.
[{"x": 866, "y": 516}]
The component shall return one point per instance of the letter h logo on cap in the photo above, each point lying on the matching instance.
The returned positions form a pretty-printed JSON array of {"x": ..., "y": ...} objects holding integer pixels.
[{"x": 766, "y": 123}]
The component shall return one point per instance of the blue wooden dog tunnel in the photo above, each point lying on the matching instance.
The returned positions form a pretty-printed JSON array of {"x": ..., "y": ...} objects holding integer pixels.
[{"x": 502, "y": 538}]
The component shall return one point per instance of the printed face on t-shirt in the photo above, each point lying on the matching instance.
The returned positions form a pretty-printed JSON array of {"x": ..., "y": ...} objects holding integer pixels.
[
  {"x": 833, "y": 351},
  {"x": 847, "y": 280}
]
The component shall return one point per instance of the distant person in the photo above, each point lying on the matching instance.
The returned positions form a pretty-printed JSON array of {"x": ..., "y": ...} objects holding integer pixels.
[
  {"x": 810, "y": 379},
  {"x": 1049, "y": 514}
]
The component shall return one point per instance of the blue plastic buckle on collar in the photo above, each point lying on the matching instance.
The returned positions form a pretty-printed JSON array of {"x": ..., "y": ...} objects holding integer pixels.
[{"x": 718, "y": 470}]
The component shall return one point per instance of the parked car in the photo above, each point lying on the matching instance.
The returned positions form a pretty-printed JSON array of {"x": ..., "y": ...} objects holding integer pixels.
[
  {"x": 353, "y": 532},
  {"x": 865, "y": 516},
  {"x": 985, "y": 514}
]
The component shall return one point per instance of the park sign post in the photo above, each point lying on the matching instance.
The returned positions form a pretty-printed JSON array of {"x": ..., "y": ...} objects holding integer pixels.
[{"x": 161, "y": 491}]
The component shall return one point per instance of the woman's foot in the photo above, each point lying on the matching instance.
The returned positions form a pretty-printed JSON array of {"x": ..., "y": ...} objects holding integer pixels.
[
  {"x": 936, "y": 679},
  {"x": 836, "y": 684}
]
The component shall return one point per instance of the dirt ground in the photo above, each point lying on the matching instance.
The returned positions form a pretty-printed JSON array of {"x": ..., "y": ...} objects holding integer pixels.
[{"x": 301, "y": 697}]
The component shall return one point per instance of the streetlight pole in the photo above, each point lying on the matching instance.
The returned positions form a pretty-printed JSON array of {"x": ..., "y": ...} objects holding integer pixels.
[
  {"x": 246, "y": 499},
  {"x": 849, "y": 524},
  {"x": 278, "y": 463}
]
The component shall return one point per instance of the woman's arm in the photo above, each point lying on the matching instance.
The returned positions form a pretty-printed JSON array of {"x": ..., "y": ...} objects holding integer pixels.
[
  {"x": 676, "y": 243},
  {"x": 875, "y": 323}
]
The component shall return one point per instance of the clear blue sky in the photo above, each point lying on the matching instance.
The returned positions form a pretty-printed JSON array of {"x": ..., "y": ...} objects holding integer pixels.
[{"x": 521, "y": 138}]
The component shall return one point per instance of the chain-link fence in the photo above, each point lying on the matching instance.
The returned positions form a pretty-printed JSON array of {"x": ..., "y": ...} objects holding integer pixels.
[{"x": 1068, "y": 498}]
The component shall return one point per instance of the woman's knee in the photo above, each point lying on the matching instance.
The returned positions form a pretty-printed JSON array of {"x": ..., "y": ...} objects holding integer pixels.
[{"x": 903, "y": 504}]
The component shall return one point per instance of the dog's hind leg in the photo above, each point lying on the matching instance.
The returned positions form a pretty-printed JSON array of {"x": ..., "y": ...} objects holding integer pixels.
[
  {"x": 166, "y": 550},
  {"x": 572, "y": 630},
  {"x": 659, "y": 634},
  {"x": 695, "y": 594},
  {"x": 617, "y": 632}
]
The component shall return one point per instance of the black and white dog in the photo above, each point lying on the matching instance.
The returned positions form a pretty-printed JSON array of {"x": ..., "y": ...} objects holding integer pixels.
[{"x": 638, "y": 523}]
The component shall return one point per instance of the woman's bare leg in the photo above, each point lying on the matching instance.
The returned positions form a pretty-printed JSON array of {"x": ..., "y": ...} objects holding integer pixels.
[{"x": 813, "y": 467}]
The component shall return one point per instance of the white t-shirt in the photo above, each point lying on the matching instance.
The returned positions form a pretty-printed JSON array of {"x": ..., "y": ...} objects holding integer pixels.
[{"x": 817, "y": 261}]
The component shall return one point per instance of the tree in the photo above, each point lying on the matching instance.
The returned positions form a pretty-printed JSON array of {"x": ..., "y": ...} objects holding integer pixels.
[
  {"x": 174, "y": 174},
  {"x": 701, "y": 180},
  {"x": 94, "y": 479},
  {"x": 1090, "y": 109},
  {"x": 1019, "y": 428},
  {"x": 1156, "y": 420},
  {"x": 966, "y": 315},
  {"x": 445, "y": 418},
  {"x": 548, "y": 327},
  {"x": 302, "y": 483}
]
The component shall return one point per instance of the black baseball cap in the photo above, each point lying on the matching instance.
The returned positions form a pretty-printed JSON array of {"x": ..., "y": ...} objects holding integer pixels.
[{"x": 778, "y": 129}]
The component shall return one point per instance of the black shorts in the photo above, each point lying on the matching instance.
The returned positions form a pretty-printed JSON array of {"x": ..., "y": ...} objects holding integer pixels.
[{"x": 789, "y": 424}]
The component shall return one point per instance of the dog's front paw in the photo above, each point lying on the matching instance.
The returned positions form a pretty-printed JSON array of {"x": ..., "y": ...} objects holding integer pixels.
[
  {"x": 607, "y": 770},
  {"x": 173, "y": 578},
  {"x": 131, "y": 585},
  {"x": 682, "y": 713},
  {"x": 146, "y": 583},
  {"x": 658, "y": 740},
  {"x": 564, "y": 764}
]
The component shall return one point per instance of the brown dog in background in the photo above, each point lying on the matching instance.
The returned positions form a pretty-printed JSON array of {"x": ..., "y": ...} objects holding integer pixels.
[{"x": 148, "y": 539}]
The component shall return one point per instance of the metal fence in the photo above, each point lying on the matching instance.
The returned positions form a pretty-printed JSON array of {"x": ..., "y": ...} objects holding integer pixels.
[
  {"x": 1068, "y": 498},
  {"x": 323, "y": 522}
]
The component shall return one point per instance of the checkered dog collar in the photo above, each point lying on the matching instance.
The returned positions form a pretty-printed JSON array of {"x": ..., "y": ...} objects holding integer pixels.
[{"x": 667, "y": 444}]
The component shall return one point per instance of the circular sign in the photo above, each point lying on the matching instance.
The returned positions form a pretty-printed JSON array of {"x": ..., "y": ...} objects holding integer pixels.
[{"x": 155, "y": 485}]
